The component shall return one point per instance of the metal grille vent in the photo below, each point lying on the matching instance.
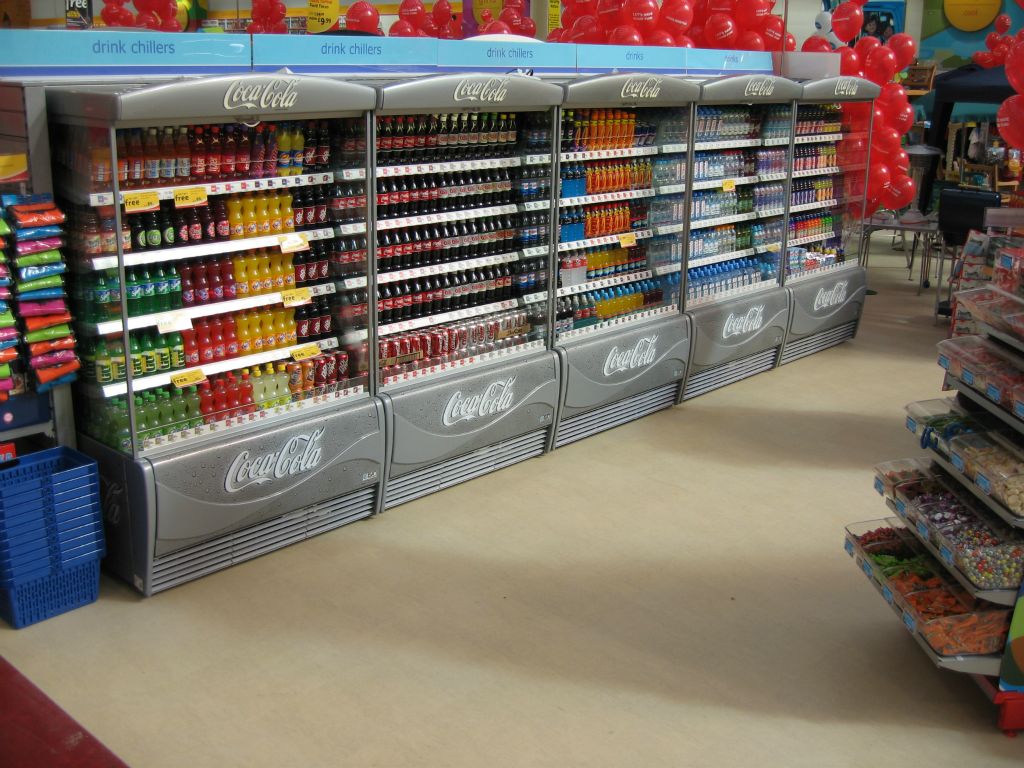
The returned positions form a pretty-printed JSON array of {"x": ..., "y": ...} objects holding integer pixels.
[
  {"x": 819, "y": 341},
  {"x": 615, "y": 414},
  {"x": 729, "y": 373}
]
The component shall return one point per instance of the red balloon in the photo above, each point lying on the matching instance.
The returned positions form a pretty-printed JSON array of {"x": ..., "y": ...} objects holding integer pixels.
[
  {"x": 899, "y": 193},
  {"x": 1014, "y": 67},
  {"x": 880, "y": 65},
  {"x": 569, "y": 16},
  {"x": 1010, "y": 121},
  {"x": 790, "y": 44},
  {"x": 886, "y": 138},
  {"x": 1019, "y": 37},
  {"x": 147, "y": 20},
  {"x": 752, "y": 15},
  {"x": 625, "y": 35},
  {"x": 902, "y": 119},
  {"x": 170, "y": 24},
  {"x": 696, "y": 34},
  {"x": 608, "y": 14},
  {"x": 1001, "y": 52},
  {"x": 428, "y": 26},
  {"x": 412, "y": 11},
  {"x": 720, "y": 31},
  {"x": 498, "y": 28},
  {"x": 442, "y": 12},
  {"x": 1003, "y": 23},
  {"x": 901, "y": 160},
  {"x": 905, "y": 48},
  {"x": 362, "y": 16},
  {"x": 585, "y": 30},
  {"x": 865, "y": 46},
  {"x": 684, "y": 41},
  {"x": 847, "y": 20},
  {"x": 984, "y": 59},
  {"x": 849, "y": 62},
  {"x": 815, "y": 44},
  {"x": 111, "y": 14},
  {"x": 555, "y": 35},
  {"x": 721, "y": 6},
  {"x": 676, "y": 16},
  {"x": 878, "y": 177},
  {"x": 528, "y": 27},
  {"x": 700, "y": 12},
  {"x": 774, "y": 32},
  {"x": 402, "y": 28},
  {"x": 277, "y": 12},
  {"x": 643, "y": 14},
  {"x": 144, "y": 6},
  {"x": 992, "y": 40},
  {"x": 892, "y": 94},
  {"x": 510, "y": 16},
  {"x": 750, "y": 41},
  {"x": 661, "y": 38}
]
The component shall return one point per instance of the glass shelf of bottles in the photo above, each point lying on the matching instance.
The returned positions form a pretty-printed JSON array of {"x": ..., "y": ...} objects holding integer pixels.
[
  {"x": 717, "y": 295},
  {"x": 614, "y": 323}
]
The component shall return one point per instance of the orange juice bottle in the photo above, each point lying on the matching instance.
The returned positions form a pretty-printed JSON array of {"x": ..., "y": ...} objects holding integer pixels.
[
  {"x": 274, "y": 208},
  {"x": 266, "y": 277},
  {"x": 277, "y": 272},
  {"x": 289, "y": 321},
  {"x": 252, "y": 224},
  {"x": 263, "y": 213},
  {"x": 280, "y": 327},
  {"x": 238, "y": 264},
  {"x": 243, "y": 332},
  {"x": 255, "y": 332},
  {"x": 287, "y": 214},
  {"x": 267, "y": 330},
  {"x": 236, "y": 222},
  {"x": 288, "y": 265}
]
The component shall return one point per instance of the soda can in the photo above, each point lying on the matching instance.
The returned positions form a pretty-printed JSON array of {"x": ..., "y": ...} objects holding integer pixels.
[
  {"x": 403, "y": 346},
  {"x": 320, "y": 372},
  {"x": 438, "y": 342},
  {"x": 453, "y": 338},
  {"x": 425, "y": 342},
  {"x": 294, "y": 371},
  {"x": 463, "y": 337},
  {"x": 341, "y": 365},
  {"x": 308, "y": 376},
  {"x": 382, "y": 349},
  {"x": 493, "y": 327},
  {"x": 393, "y": 349}
]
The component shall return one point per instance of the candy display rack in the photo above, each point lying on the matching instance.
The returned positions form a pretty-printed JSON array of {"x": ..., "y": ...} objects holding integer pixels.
[
  {"x": 967, "y": 516},
  {"x": 624, "y": 171},
  {"x": 738, "y": 310},
  {"x": 220, "y": 279},
  {"x": 467, "y": 377},
  {"x": 823, "y": 274}
]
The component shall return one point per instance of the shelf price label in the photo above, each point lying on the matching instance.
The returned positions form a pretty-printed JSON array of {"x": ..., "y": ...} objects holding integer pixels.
[
  {"x": 909, "y": 623},
  {"x": 141, "y": 202},
  {"x": 305, "y": 352},
  {"x": 190, "y": 197},
  {"x": 627, "y": 240},
  {"x": 293, "y": 297},
  {"x": 983, "y": 482},
  {"x": 922, "y": 529},
  {"x": 174, "y": 322},
  {"x": 729, "y": 185},
  {"x": 848, "y": 546},
  {"x": 295, "y": 241},
  {"x": 879, "y": 487},
  {"x": 887, "y": 594},
  {"x": 911, "y": 424},
  {"x": 188, "y": 378}
]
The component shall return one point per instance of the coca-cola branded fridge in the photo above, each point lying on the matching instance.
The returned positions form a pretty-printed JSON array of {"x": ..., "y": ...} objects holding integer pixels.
[
  {"x": 740, "y": 200},
  {"x": 218, "y": 228},
  {"x": 463, "y": 254},
  {"x": 618, "y": 322},
  {"x": 824, "y": 275}
]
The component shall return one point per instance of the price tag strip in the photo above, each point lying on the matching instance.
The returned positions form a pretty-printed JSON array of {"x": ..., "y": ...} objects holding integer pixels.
[
  {"x": 188, "y": 378},
  {"x": 295, "y": 297},
  {"x": 306, "y": 351},
  {"x": 190, "y": 197},
  {"x": 141, "y": 202}
]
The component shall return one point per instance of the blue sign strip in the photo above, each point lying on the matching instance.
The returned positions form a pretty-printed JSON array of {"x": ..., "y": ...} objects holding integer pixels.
[
  {"x": 41, "y": 52},
  {"x": 713, "y": 62},
  {"x": 630, "y": 58},
  {"x": 476, "y": 56},
  {"x": 335, "y": 53}
]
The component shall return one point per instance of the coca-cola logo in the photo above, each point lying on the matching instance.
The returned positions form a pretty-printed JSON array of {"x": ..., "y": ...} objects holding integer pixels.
[
  {"x": 738, "y": 325},
  {"x": 298, "y": 455},
  {"x": 846, "y": 86},
  {"x": 493, "y": 90},
  {"x": 760, "y": 86},
  {"x": 278, "y": 94},
  {"x": 641, "y": 88},
  {"x": 830, "y": 297},
  {"x": 496, "y": 398},
  {"x": 640, "y": 355}
]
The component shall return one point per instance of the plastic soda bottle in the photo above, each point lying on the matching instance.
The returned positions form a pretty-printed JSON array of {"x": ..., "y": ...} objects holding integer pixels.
[{"x": 236, "y": 221}]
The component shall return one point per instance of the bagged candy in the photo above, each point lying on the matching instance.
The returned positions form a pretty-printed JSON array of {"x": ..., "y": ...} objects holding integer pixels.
[
  {"x": 40, "y": 271},
  {"x": 37, "y": 233},
  {"x": 42, "y": 347},
  {"x": 32, "y": 210},
  {"x": 36, "y": 246},
  {"x": 53, "y": 281},
  {"x": 66, "y": 379},
  {"x": 52, "y": 358},
  {"x": 46, "y": 293},
  {"x": 45, "y": 334},
  {"x": 7, "y": 334},
  {"x": 34, "y": 259},
  {"x": 45, "y": 375},
  {"x": 6, "y": 319},
  {"x": 45, "y": 321},
  {"x": 46, "y": 307}
]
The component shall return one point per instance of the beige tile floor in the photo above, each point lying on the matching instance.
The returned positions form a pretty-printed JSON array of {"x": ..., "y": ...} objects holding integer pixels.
[{"x": 671, "y": 593}]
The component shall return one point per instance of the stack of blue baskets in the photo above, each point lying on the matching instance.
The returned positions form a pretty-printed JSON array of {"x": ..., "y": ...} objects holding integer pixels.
[{"x": 51, "y": 535}]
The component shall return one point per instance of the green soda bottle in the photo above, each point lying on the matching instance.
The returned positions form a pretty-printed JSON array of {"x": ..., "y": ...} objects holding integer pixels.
[
  {"x": 135, "y": 352},
  {"x": 162, "y": 351},
  {"x": 142, "y": 425},
  {"x": 116, "y": 350},
  {"x": 179, "y": 410},
  {"x": 102, "y": 366},
  {"x": 191, "y": 399},
  {"x": 121, "y": 433},
  {"x": 134, "y": 294},
  {"x": 148, "y": 355},
  {"x": 166, "y": 410},
  {"x": 176, "y": 347},
  {"x": 148, "y": 303}
]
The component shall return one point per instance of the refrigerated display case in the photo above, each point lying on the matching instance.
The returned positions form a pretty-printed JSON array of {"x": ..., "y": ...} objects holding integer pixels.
[
  {"x": 824, "y": 275},
  {"x": 220, "y": 277},
  {"x": 463, "y": 253},
  {"x": 740, "y": 199},
  {"x": 623, "y": 171}
]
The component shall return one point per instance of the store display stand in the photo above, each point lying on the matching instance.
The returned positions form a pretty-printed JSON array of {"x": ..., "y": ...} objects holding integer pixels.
[
  {"x": 207, "y": 496},
  {"x": 469, "y": 415},
  {"x": 616, "y": 373}
]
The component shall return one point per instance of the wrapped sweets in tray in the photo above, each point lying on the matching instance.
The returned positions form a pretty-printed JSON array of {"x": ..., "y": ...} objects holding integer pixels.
[
  {"x": 1008, "y": 274},
  {"x": 955, "y": 353},
  {"x": 967, "y": 451},
  {"x": 998, "y": 470},
  {"x": 936, "y": 422},
  {"x": 891, "y": 473},
  {"x": 991, "y": 306},
  {"x": 955, "y": 625},
  {"x": 919, "y": 492}
]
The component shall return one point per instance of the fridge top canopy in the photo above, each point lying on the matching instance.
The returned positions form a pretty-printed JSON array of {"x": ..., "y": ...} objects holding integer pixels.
[
  {"x": 840, "y": 89},
  {"x": 469, "y": 92},
  {"x": 750, "y": 89},
  {"x": 247, "y": 98},
  {"x": 631, "y": 90}
]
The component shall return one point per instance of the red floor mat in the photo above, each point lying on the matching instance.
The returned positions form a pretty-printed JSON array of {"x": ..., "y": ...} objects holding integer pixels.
[{"x": 36, "y": 733}]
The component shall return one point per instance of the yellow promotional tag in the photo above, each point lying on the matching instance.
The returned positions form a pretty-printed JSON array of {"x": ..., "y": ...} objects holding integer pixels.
[
  {"x": 140, "y": 202},
  {"x": 293, "y": 297},
  {"x": 627, "y": 240},
  {"x": 174, "y": 322},
  {"x": 305, "y": 352},
  {"x": 296, "y": 241},
  {"x": 729, "y": 185},
  {"x": 188, "y": 378},
  {"x": 189, "y": 197}
]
